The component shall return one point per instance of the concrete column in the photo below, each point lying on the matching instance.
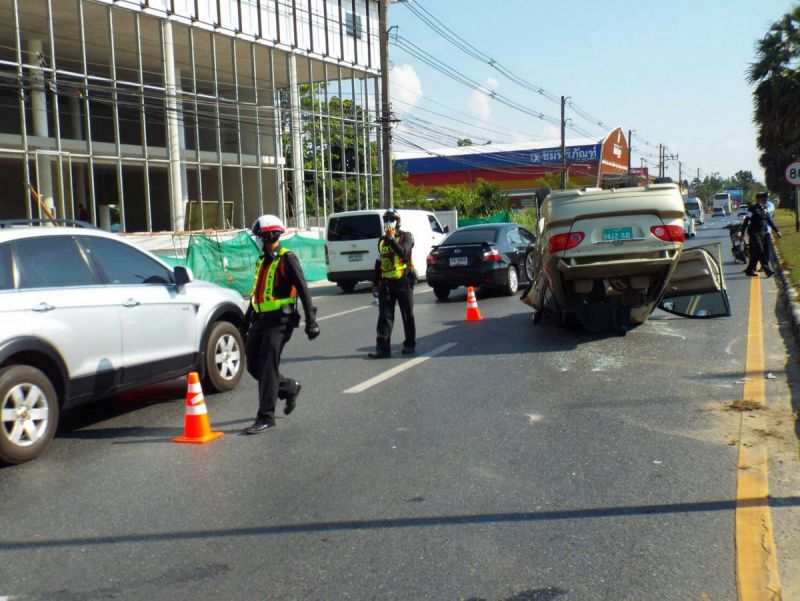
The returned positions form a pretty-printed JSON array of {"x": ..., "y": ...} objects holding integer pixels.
[
  {"x": 78, "y": 171},
  {"x": 176, "y": 182},
  {"x": 40, "y": 127},
  {"x": 297, "y": 146}
]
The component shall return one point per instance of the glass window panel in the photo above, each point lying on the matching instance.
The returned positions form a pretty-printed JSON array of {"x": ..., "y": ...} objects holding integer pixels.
[
  {"x": 6, "y": 277},
  {"x": 125, "y": 265},
  {"x": 51, "y": 261}
]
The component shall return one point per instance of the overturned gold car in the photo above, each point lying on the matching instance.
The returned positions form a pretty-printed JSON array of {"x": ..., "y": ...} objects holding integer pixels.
[{"x": 608, "y": 258}]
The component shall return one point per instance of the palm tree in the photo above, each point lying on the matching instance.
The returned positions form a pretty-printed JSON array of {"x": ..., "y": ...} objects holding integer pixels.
[{"x": 777, "y": 85}]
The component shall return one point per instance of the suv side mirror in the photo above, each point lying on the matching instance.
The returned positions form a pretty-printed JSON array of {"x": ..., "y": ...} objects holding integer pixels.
[{"x": 183, "y": 275}]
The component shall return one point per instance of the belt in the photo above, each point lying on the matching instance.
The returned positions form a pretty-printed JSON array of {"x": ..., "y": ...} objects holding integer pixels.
[{"x": 267, "y": 315}]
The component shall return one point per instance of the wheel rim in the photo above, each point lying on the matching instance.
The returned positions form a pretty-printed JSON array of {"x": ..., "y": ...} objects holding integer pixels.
[
  {"x": 24, "y": 414},
  {"x": 513, "y": 281},
  {"x": 529, "y": 266},
  {"x": 227, "y": 357}
]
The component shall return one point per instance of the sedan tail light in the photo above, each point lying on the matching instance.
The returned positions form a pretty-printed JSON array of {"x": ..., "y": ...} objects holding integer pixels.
[
  {"x": 566, "y": 241},
  {"x": 430, "y": 260},
  {"x": 668, "y": 233},
  {"x": 491, "y": 256}
]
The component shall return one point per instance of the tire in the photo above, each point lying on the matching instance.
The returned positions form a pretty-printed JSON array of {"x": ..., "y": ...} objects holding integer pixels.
[
  {"x": 529, "y": 266},
  {"x": 348, "y": 286},
  {"x": 441, "y": 292},
  {"x": 512, "y": 282},
  {"x": 224, "y": 357},
  {"x": 29, "y": 412}
]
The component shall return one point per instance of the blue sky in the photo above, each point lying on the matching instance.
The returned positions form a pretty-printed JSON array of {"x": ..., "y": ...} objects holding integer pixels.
[{"x": 673, "y": 71}]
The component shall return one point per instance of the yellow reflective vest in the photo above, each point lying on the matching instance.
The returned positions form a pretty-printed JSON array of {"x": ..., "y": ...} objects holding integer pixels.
[
  {"x": 392, "y": 265},
  {"x": 264, "y": 286}
]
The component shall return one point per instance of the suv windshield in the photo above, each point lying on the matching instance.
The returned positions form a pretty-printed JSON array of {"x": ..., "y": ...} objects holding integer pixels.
[
  {"x": 354, "y": 227},
  {"x": 469, "y": 236}
]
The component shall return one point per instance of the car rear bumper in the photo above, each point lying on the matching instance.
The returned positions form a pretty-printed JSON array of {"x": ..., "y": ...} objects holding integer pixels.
[
  {"x": 360, "y": 275},
  {"x": 486, "y": 275}
]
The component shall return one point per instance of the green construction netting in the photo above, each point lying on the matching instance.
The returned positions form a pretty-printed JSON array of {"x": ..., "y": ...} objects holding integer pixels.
[
  {"x": 231, "y": 262},
  {"x": 504, "y": 217}
]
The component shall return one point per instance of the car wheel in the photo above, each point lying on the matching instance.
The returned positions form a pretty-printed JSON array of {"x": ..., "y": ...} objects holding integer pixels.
[
  {"x": 512, "y": 281},
  {"x": 529, "y": 266},
  {"x": 441, "y": 292},
  {"x": 28, "y": 413},
  {"x": 347, "y": 286},
  {"x": 224, "y": 357}
]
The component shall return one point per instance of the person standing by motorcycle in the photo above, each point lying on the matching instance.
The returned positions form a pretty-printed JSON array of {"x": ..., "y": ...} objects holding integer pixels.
[
  {"x": 769, "y": 250},
  {"x": 393, "y": 284},
  {"x": 755, "y": 224}
]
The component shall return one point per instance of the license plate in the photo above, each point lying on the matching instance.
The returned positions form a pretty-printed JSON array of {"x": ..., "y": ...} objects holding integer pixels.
[
  {"x": 618, "y": 233},
  {"x": 459, "y": 261},
  {"x": 357, "y": 257}
]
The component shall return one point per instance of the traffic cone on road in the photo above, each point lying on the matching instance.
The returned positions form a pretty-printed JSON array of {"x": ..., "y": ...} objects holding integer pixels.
[
  {"x": 197, "y": 428},
  {"x": 473, "y": 313}
]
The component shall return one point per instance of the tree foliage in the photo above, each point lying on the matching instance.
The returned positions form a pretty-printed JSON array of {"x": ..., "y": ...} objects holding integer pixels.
[{"x": 776, "y": 77}]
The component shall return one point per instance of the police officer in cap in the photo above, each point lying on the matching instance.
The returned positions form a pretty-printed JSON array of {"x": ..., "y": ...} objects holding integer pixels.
[
  {"x": 392, "y": 284},
  {"x": 271, "y": 318},
  {"x": 755, "y": 224}
]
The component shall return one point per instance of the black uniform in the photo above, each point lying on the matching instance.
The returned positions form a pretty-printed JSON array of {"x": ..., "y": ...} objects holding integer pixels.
[
  {"x": 755, "y": 224},
  {"x": 395, "y": 290},
  {"x": 271, "y": 330}
]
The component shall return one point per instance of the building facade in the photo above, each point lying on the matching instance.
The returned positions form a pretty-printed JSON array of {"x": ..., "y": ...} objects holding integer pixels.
[
  {"x": 174, "y": 115},
  {"x": 520, "y": 168}
]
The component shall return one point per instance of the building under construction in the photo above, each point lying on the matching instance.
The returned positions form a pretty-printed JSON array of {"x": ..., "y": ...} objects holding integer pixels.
[{"x": 170, "y": 115}]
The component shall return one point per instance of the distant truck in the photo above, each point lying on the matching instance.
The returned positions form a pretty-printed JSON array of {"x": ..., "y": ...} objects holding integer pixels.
[{"x": 722, "y": 199}]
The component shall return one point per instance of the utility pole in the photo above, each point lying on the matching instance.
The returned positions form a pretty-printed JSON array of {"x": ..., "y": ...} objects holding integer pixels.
[
  {"x": 660, "y": 160},
  {"x": 563, "y": 145},
  {"x": 680, "y": 181},
  {"x": 387, "y": 199},
  {"x": 629, "y": 151}
]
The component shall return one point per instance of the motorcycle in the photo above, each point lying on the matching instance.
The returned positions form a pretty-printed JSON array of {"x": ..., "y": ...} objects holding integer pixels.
[{"x": 738, "y": 243}]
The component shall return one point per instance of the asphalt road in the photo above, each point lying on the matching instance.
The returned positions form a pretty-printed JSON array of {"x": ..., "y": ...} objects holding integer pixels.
[{"x": 519, "y": 462}]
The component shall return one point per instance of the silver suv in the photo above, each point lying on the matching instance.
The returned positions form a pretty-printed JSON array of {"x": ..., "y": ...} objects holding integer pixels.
[{"x": 85, "y": 314}]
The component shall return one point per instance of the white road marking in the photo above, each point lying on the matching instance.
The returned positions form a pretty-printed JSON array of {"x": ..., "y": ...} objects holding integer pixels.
[
  {"x": 371, "y": 305},
  {"x": 389, "y": 373}
]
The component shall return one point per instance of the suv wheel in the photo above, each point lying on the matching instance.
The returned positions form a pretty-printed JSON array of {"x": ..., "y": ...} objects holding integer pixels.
[
  {"x": 28, "y": 413},
  {"x": 224, "y": 357}
]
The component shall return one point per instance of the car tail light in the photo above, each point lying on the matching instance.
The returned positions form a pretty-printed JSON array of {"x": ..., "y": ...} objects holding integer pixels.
[
  {"x": 566, "y": 241},
  {"x": 430, "y": 259},
  {"x": 668, "y": 233},
  {"x": 491, "y": 256}
]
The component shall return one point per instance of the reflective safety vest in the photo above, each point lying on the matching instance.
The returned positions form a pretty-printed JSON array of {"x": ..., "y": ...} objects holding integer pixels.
[
  {"x": 263, "y": 299},
  {"x": 392, "y": 265}
]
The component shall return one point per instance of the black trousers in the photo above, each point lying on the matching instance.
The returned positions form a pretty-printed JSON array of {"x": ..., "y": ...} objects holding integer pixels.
[
  {"x": 265, "y": 342},
  {"x": 397, "y": 291},
  {"x": 758, "y": 253}
]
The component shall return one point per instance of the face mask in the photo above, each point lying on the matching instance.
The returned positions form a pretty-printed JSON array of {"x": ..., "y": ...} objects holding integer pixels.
[{"x": 392, "y": 224}]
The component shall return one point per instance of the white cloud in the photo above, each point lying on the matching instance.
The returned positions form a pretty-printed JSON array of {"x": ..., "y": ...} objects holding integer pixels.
[
  {"x": 480, "y": 103},
  {"x": 406, "y": 88},
  {"x": 551, "y": 132}
]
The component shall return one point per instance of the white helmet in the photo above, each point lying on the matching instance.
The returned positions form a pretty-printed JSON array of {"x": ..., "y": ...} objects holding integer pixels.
[{"x": 267, "y": 223}]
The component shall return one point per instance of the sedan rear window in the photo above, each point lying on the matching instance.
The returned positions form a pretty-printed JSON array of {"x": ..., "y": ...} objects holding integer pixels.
[
  {"x": 472, "y": 236},
  {"x": 354, "y": 227}
]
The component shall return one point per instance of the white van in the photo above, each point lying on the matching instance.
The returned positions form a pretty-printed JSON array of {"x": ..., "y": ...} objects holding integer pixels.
[
  {"x": 351, "y": 242},
  {"x": 694, "y": 208}
]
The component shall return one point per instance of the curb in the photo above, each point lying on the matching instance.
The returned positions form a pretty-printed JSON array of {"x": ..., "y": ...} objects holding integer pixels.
[{"x": 790, "y": 295}]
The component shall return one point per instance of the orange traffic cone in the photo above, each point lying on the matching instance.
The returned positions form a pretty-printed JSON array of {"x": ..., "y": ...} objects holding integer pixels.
[
  {"x": 473, "y": 313},
  {"x": 196, "y": 427}
]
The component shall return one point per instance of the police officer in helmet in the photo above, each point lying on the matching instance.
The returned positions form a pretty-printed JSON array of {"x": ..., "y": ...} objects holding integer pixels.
[
  {"x": 271, "y": 318},
  {"x": 392, "y": 284},
  {"x": 756, "y": 225}
]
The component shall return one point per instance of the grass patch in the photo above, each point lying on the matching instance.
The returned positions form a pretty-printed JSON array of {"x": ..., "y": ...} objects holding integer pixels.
[{"x": 789, "y": 244}]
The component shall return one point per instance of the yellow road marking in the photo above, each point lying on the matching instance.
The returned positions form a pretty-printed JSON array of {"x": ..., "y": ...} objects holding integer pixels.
[{"x": 756, "y": 556}]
